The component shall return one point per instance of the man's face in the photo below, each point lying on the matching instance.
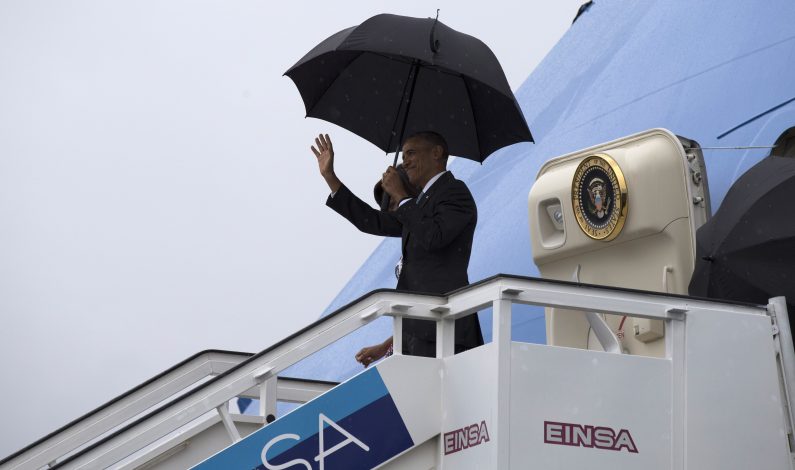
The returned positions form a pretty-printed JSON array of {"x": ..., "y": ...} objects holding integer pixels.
[{"x": 419, "y": 162}]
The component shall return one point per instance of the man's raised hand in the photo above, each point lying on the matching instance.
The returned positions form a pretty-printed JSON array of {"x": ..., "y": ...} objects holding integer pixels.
[{"x": 325, "y": 161}]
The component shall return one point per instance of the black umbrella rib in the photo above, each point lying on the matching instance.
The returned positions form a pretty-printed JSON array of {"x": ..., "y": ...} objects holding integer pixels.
[
  {"x": 332, "y": 82},
  {"x": 422, "y": 63},
  {"x": 399, "y": 58},
  {"x": 474, "y": 120}
]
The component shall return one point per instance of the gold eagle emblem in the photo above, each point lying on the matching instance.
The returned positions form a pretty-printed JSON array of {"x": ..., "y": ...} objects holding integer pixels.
[{"x": 599, "y": 197}]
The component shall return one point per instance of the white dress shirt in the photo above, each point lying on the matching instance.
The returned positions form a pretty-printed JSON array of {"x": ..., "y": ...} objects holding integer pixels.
[{"x": 428, "y": 184}]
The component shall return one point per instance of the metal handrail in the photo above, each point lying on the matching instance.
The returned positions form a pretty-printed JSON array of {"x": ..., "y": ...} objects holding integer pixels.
[
  {"x": 168, "y": 384},
  {"x": 115, "y": 412}
]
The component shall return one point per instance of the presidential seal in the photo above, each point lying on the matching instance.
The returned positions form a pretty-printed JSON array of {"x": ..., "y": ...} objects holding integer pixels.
[{"x": 599, "y": 197}]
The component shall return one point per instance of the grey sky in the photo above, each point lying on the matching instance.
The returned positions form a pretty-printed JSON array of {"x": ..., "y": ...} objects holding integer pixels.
[{"x": 151, "y": 155}]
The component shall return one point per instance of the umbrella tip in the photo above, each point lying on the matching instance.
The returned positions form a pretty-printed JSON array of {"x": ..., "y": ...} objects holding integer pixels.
[{"x": 434, "y": 41}]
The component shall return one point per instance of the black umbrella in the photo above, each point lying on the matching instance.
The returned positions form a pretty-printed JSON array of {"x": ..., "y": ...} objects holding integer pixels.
[
  {"x": 747, "y": 250},
  {"x": 395, "y": 75}
]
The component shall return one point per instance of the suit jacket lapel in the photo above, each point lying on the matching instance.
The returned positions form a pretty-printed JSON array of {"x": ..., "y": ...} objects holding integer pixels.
[
  {"x": 443, "y": 181},
  {"x": 437, "y": 186}
]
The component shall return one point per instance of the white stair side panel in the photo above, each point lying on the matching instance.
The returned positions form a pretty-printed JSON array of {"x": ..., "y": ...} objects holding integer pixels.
[
  {"x": 468, "y": 395},
  {"x": 735, "y": 417},
  {"x": 415, "y": 386},
  {"x": 555, "y": 389}
]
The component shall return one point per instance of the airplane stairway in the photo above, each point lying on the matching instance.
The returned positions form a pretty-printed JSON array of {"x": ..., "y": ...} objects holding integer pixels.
[{"x": 717, "y": 398}]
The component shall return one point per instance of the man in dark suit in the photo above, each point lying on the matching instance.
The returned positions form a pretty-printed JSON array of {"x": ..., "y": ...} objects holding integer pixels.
[{"x": 436, "y": 227}]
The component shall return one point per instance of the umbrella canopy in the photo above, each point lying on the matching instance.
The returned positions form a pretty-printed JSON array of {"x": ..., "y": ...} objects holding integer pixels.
[
  {"x": 396, "y": 75},
  {"x": 747, "y": 250}
]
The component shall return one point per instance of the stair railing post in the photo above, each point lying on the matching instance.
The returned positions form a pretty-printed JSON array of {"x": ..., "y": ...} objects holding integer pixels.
[
  {"x": 267, "y": 399},
  {"x": 445, "y": 337},
  {"x": 397, "y": 335},
  {"x": 777, "y": 308},
  {"x": 501, "y": 337},
  {"x": 231, "y": 429},
  {"x": 675, "y": 351}
]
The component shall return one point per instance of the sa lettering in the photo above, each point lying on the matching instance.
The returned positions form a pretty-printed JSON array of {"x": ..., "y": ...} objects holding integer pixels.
[{"x": 322, "y": 452}]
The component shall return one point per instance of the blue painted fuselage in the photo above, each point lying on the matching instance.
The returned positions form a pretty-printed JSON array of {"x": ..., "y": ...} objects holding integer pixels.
[{"x": 720, "y": 73}]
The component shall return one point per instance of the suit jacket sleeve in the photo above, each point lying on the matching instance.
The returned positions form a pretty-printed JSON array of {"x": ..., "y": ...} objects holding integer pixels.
[
  {"x": 450, "y": 216},
  {"x": 364, "y": 217}
]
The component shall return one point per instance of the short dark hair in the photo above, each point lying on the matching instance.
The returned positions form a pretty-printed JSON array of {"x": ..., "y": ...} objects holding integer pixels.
[{"x": 433, "y": 138}]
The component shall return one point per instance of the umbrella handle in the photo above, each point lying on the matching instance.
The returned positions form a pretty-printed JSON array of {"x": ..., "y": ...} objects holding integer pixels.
[{"x": 385, "y": 198}]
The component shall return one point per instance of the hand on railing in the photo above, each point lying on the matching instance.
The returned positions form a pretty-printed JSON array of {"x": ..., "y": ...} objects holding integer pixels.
[{"x": 370, "y": 354}]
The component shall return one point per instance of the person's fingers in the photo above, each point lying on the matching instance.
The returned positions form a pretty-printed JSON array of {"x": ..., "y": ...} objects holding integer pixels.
[
  {"x": 317, "y": 154},
  {"x": 367, "y": 356},
  {"x": 330, "y": 145},
  {"x": 319, "y": 144},
  {"x": 324, "y": 139}
]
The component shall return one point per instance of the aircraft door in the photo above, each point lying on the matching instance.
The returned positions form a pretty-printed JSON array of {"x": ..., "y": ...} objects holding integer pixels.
[{"x": 621, "y": 214}]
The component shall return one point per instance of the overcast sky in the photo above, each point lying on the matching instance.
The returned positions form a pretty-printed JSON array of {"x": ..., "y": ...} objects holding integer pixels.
[{"x": 157, "y": 192}]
